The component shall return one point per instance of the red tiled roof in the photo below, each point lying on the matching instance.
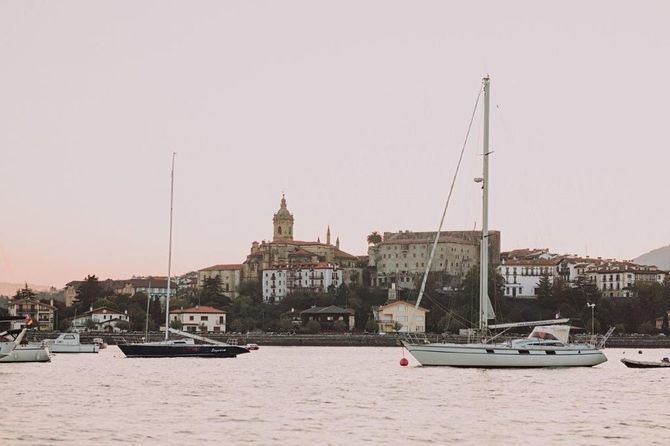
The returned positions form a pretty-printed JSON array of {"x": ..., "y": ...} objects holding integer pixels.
[
  {"x": 402, "y": 302},
  {"x": 320, "y": 265},
  {"x": 105, "y": 310},
  {"x": 533, "y": 262},
  {"x": 343, "y": 255},
  {"x": 29, "y": 301},
  {"x": 198, "y": 309},
  {"x": 223, "y": 267}
]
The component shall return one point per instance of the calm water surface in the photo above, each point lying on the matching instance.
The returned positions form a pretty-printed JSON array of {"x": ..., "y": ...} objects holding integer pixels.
[{"x": 336, "y": 395}]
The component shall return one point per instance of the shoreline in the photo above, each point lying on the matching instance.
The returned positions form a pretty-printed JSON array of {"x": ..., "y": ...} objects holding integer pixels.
[{"x": 337, "y": 340}]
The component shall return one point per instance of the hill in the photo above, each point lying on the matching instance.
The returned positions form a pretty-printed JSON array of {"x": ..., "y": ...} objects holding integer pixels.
[{"x": 659, "y": 257}]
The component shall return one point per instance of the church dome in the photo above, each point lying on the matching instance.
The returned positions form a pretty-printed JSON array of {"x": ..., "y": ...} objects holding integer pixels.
[{"x": 283, "y": 210}]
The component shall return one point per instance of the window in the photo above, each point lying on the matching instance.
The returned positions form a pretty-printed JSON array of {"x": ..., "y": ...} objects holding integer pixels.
[
  {"x": 203, "y": 318},
  {"x": 190, "y": 318}
]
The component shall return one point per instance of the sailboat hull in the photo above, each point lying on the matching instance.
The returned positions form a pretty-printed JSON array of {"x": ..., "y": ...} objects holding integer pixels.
[
  {"x": 25, "y": 353},
  {"x": 504, "y": 356},
  {"x": 181, "y": 350}
]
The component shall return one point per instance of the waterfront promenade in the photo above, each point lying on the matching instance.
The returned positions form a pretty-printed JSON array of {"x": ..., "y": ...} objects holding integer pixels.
[{"x": 341, "y": 340}]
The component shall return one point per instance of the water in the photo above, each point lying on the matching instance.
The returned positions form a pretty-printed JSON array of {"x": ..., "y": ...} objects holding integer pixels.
[{"x": 336, "y": 395}]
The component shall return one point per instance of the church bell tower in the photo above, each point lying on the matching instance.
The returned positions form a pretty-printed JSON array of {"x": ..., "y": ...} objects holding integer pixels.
[{"x": 283, "y": 222}]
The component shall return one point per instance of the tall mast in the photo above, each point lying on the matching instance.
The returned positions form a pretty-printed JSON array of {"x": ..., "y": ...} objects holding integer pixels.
[
  {"x": 167, "y": 299},
  {"x": 484, "y": 245}
]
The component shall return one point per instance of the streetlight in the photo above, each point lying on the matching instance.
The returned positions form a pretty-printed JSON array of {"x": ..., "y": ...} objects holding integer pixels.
[{"x": 593, "y": 311}]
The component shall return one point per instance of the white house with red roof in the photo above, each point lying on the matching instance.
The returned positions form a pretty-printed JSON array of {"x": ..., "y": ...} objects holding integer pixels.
[
  {"x": 618, "y": 279},
  {"x": 522, "y": 276},
  {"x": 101, "y": 319},
  {"x": 200, "y": 318},
  {"x": 230, "y": 276},
  {"x": 280, "y": 281}
]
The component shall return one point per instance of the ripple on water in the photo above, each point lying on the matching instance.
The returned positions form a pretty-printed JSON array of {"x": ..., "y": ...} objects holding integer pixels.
[{"x": 304, "y": 395}]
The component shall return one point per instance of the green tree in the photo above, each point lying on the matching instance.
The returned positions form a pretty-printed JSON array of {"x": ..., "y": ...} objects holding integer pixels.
[
  {"x": 286, "y": 325},
  {"x": 371, "y": 326},
  {"x": 156, "y": 313},
  {"x": 122, "y": 325},
  {"x": 25, "y": 293},
  {"x": 311, "y": 327},
  {"x": 211, "y": 293},
  {"x": 89, "y": 291},
  {"x": 176, "y": 324},
  {"x": 546, "y": 298},
  {"x": 252, "y": 289},
  {"x": 374, "y": 238},
  {"x": 340, "y": 326}
]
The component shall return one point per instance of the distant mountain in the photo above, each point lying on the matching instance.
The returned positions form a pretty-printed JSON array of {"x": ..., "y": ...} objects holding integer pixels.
[
  {"x": 9, "y": 289},
  {"x": 659, "y": 257}
]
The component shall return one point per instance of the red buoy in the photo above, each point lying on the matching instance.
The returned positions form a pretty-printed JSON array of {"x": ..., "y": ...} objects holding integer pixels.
[{"x": 404, "y": 362}]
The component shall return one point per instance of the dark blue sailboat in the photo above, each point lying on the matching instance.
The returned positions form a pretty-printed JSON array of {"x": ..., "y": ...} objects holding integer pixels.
[{"x": 180, "y": 347}]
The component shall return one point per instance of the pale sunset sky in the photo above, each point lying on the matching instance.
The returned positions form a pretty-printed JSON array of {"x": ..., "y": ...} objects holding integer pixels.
[{"x": 356, "y": 109}]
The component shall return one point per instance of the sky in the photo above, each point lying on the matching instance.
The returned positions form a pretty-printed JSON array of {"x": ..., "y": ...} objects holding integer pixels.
[{"x": 357, "y": 110}]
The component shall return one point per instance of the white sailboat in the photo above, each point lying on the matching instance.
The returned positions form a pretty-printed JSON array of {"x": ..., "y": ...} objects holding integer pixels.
[
  {"x": 547, "y": 345},
  {"x": 11, "y": 349}
]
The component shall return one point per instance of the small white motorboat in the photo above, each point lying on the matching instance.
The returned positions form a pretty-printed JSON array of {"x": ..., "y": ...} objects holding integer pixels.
[{"x": 69, "y": 343}]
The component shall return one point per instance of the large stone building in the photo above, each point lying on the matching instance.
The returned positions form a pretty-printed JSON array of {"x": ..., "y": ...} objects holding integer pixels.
[
  {"x": 284, "y": 250},
  {"x": 401, "y": 257},
  {"x": 229, "y": 275}
]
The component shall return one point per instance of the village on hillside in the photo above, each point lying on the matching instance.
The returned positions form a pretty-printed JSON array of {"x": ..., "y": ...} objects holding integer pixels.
[{"x": 290, "y": 285}]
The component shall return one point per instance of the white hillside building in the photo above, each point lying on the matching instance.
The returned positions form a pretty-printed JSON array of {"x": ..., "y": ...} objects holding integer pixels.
[
  {"x": 522, "y": 277},
  {"x": 618, "y": 279},
  {"x": 397, "y": 314},
  {"x": 100, "y": 319},
  {"x": 200, "y": 318},
  {"x": 280, "y": 281}
]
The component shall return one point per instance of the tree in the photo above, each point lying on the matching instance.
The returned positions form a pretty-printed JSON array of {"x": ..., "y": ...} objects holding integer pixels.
[
  {"x": 340, "y": 326},
  {"x": 311, "y": 327},
  {"x": 25, "y": 293},
  {"x": 176, "y": 324},
  {"x": 252, "y": 289},
  {"x": 156, "y": 313},
  {"x": 397, "y": 326},
  {"x": 211, "y": 294},
  {"x": 546, "y": 298},
  {"x": 371, "y": 326},
  {"x": 89, "y": 291},
  {"x": 90, "y": 324},
  {"x": 374, "y": 238},
  {"x": 123, "y": 325},
  {"x": 286, "y": 325}
]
